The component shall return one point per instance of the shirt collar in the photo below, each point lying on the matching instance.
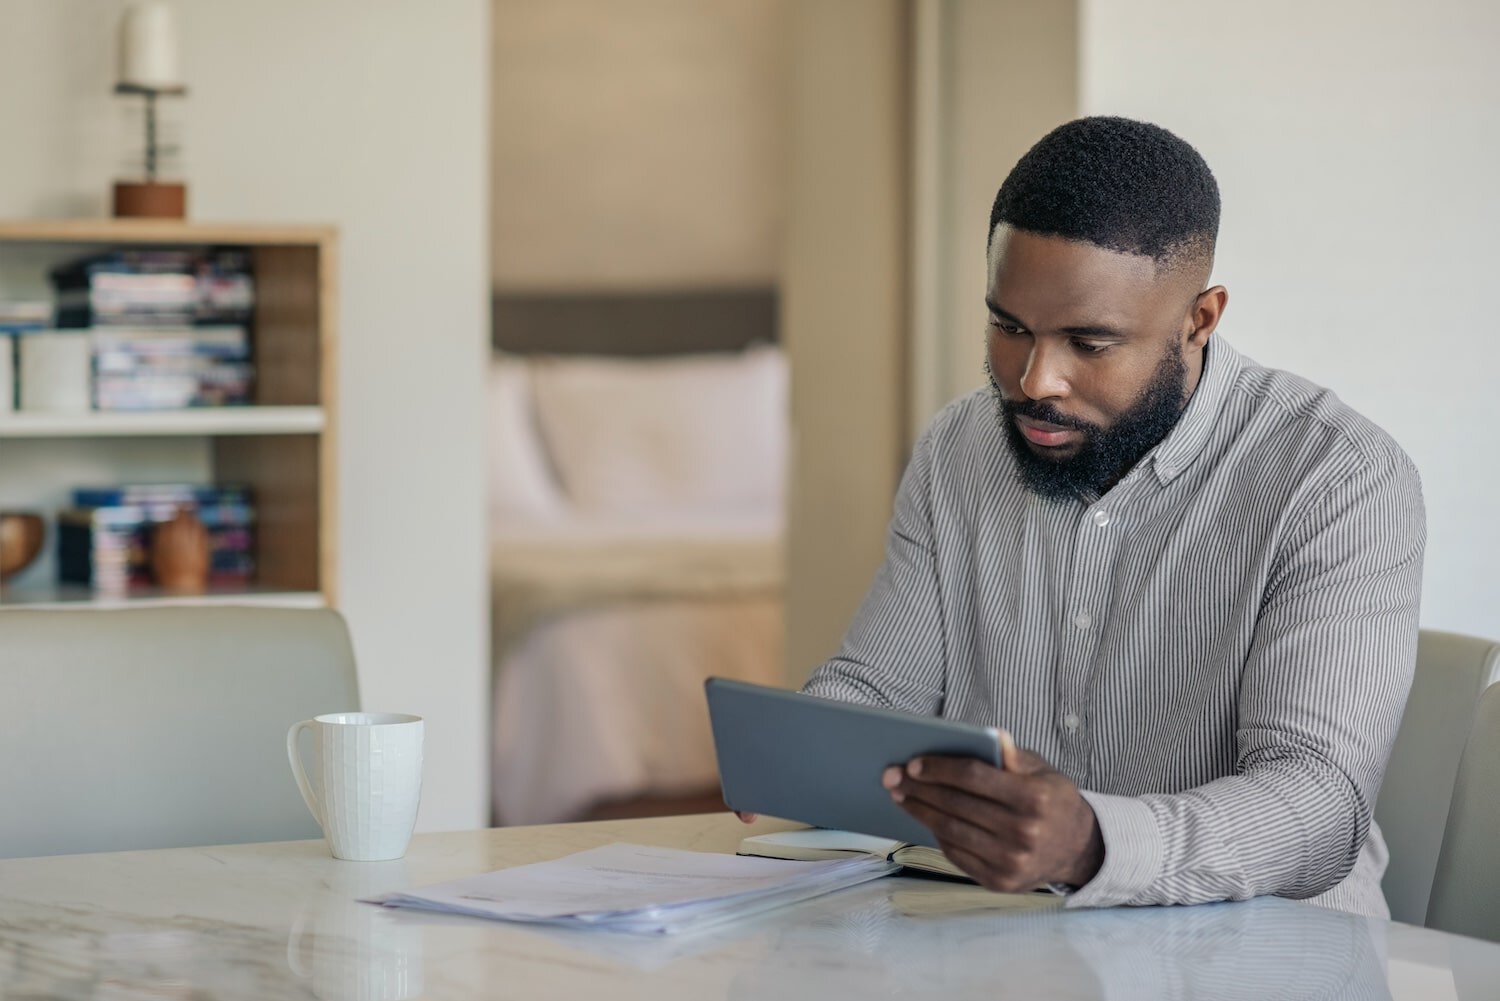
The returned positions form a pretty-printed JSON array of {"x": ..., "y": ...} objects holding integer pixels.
[{"x": 1221, "y": 364}]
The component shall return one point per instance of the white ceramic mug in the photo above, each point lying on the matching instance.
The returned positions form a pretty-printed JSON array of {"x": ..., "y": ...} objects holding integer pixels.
[{"x": 370, "y": 771}]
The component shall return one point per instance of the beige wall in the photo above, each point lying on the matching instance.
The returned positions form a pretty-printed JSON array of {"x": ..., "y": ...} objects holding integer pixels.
[
  {"x": 638, "y": 144},
  {"x": 843, "y": 308},
  {"x": 370, "y": 116},
  {"x": 1354, "y": 144},
  {"x": 1000, "y": 74},
  {"x": 907, "y": 117}
]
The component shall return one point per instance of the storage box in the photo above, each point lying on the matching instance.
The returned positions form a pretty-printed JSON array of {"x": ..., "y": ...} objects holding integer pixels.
[
  {"x": 7, "y": 374},
  {"x": 55, "y": 371}
]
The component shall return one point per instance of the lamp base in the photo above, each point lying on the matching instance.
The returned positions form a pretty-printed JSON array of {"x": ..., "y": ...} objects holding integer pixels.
[{"x": 147, "y": 200}]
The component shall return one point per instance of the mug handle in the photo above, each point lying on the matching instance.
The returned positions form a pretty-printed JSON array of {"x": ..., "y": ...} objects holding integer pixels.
[{"x": 297, "y": 772}]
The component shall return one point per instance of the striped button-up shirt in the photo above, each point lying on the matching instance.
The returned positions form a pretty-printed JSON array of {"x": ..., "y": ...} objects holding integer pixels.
[{"x": 1217, "y": 650}]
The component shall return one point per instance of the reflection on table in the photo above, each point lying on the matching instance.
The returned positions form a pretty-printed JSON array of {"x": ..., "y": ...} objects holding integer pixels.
[{"x": 281, "y": 921}]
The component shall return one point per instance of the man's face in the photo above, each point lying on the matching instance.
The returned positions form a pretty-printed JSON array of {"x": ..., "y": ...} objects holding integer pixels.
[{"x": 1092, "y": 356}]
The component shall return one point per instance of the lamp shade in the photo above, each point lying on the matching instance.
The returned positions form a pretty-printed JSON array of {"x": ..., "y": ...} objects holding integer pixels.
[{"x": 148, "y": 49}]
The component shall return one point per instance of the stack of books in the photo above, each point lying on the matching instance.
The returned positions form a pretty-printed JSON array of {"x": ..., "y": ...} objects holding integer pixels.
[
  {"x": 151, "y": 287},
  {"x": 104, "y": 539},
  {"x": 145, "y": 368},
  {"x": 169, "y": 326}
]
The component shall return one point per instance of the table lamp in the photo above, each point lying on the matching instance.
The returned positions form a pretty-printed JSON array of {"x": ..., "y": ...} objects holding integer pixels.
[{"x": 149, "y": 67}]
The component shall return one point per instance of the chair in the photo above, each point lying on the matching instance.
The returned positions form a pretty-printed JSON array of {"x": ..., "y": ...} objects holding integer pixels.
[
  {"x": 1466, "y": 888},
  {"x": 161, "y": 727},
  {"x": 1414, "y": 799}
]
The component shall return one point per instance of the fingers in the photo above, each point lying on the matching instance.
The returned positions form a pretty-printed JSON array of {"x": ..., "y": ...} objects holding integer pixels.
[
  {"x": 1030, "y": 763},
  {"x": 1016, "y": 790},
  {"x": 973, "y": 866},
  {"x": 1012, "y": 828},
  {"x": 996, "y": 878},
  {"x": 950, "y": 829},
  {"x": 987, "y": 813},
  {"x": 981, "y": 828},
  {"x": 994, "y": 862},
  {"x": 747, "y": 818}
]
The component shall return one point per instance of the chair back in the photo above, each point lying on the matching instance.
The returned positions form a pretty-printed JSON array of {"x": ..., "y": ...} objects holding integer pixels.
[
  {"x": 1466, "y": 889},
  {"x": 160, "y": 727},
  {"x": 1414, "y": 798}
]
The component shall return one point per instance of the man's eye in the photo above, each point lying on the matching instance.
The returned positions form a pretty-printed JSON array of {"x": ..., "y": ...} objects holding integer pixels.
[
  {"x": 1006, "y": 327},
  {"x": 1088, "y": 348}
]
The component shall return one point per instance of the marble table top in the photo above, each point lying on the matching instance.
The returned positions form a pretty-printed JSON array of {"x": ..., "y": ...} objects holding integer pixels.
[{"x": 283, "y": 921}]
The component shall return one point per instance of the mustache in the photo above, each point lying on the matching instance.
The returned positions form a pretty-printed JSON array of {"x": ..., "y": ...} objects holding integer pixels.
[{"x": 1039, "y": 410}]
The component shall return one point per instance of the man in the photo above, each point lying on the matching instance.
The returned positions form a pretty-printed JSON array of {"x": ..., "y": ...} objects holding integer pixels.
[{"x": 1185, "y": 583}]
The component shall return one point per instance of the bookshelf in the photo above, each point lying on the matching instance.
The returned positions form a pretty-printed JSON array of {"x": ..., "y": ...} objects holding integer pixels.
[{"x": 283, "y": 445}]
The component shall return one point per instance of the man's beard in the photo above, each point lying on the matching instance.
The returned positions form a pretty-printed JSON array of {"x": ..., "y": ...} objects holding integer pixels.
[{"x": 1106, "y": 453}]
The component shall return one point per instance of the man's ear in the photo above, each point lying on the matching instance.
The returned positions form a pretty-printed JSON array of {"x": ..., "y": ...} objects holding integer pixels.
[{"x": 1208, "y": 308}]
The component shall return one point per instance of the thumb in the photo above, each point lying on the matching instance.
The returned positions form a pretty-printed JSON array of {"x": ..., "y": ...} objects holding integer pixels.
[
  {"x": 1010, "y": 755},
  {"x": 1018, "y": 760}
]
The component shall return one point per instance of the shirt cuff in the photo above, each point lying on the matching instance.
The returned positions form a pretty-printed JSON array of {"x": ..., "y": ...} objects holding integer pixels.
[{"x": 1132, "y": 852}]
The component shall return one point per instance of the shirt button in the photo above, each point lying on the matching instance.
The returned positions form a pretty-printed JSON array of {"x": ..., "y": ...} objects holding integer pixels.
[
  {"x": 1101, "y": 517},
  {"x": 1071, "y": 722},
  {"x": 1083, "y": 620}
]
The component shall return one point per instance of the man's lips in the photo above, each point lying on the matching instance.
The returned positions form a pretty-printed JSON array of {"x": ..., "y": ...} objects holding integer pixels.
[{"x": 1044, "y": 434}]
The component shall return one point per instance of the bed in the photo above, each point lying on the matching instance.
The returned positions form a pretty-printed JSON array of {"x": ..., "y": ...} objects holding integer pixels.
[{"x": 637, "y": 452}]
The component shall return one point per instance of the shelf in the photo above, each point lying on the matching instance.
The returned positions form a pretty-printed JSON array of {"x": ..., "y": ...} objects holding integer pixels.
[
  {"x": 162, "y": 232},
  {"x": 152, "y": 423},
  {"x": 284, "y": 447},
  {"x": 78, "y": 596}
]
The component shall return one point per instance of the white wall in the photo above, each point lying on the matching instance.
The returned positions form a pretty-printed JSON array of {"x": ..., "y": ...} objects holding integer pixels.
[
  {"x": 656, "y": 126},
  {"x": 371, "y": 116},
  {"x": 1355, "y": 145}
]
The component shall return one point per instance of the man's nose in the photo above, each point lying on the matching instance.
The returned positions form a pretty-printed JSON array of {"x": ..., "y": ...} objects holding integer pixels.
[{"x": 1046, "y": 375}]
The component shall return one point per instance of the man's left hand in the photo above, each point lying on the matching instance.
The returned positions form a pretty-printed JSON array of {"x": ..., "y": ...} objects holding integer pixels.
[{"x": 1013, "y": 828}]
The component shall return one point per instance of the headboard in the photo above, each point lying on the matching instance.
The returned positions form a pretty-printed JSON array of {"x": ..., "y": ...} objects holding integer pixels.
[{"x": 635, "y": 323}]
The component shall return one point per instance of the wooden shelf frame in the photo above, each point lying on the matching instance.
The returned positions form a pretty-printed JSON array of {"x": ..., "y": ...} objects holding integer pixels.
[
  {"x": 163, "y": 233},
  {"x": 157, "y": 423},
  {"x": 286, "y": 446},
  {"x": 80, "y": 596}
]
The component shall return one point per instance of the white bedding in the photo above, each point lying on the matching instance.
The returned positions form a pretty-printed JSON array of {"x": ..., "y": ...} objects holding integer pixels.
[
  {"x": 606, "y": 703},
  {"x": 602, "y": 642},
  {"x": 636, "y": 551},
  {"x": 542, "y": 576},
  {"x": 593, "y": 529}
]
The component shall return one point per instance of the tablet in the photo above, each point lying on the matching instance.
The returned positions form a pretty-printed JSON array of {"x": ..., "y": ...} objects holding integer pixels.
[{"x": 818, "y": 761}]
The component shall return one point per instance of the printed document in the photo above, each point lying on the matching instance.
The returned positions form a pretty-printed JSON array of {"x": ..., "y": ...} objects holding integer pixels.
[{"x": 640, "y": 888}]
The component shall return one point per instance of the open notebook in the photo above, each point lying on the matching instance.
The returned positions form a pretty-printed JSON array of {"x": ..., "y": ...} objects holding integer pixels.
[{"x": 818, "y": 845}]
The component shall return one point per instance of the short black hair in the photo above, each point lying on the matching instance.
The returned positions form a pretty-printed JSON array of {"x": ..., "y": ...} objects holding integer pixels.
[{"x": 1116, "y": 183}]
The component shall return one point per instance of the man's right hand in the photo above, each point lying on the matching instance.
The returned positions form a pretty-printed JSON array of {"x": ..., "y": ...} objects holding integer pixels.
[{"x": 747, "y": 818}]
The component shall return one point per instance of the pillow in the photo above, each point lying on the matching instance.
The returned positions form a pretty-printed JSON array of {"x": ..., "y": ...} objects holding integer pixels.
[
  {"x": 688, "y": 434},
  {"x": 522, "y": 484}
]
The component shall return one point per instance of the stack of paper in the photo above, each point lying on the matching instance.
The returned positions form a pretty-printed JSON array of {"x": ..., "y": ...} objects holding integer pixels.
[{"x": 640, "y": 889}]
